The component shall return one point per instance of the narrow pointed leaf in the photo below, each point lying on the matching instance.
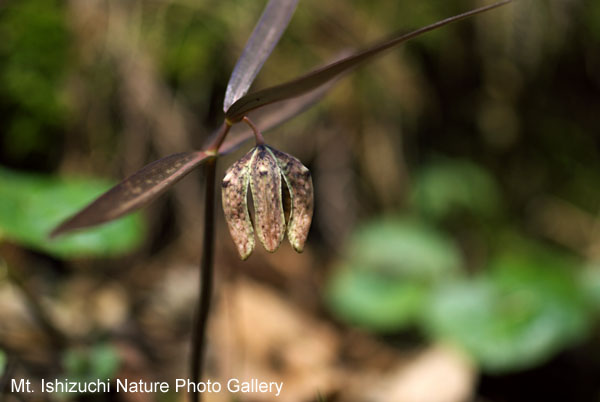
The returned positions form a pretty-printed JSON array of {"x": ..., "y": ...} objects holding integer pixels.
[
  {"x": 325, "y": 74},
  {"x": 134, "y": 192},
  {"x": 265, "y": 36}
]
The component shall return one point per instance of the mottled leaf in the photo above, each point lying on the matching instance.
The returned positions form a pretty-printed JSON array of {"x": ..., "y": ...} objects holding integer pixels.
[
  {"x": 265, "y": 36},
  {"x": 135, "y": 191},
  {"x": 234, "y": 192},
  {"x": 265, "y": 182},
  {"x": 325, "y": 74}
]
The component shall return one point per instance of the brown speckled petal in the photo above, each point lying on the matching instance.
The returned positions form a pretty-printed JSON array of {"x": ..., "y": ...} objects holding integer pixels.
[
  {"x": 299, "y": 182},
  {"x": 234, "y": 192},
  {"x": 265, "y": 182}
]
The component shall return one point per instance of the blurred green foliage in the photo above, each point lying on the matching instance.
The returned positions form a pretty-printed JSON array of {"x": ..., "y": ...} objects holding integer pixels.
[
  {"x": 96, "y": 362},
  {"x": 182, "y": 61},
  {"x": 34, "y": 60},
  {"x": 589, "y": 282},
  {"x": 2, "y": 362},
  {"x": 425, "y": 252},
  {"x": 522, "y": 309},
  {"x": 390, "y": 269},
  {"x": 527, "y": 303},
  {"x": 449, "y": 187},
  {"x": 31, "y": 205},
  {"x": 373, "y": 300}
]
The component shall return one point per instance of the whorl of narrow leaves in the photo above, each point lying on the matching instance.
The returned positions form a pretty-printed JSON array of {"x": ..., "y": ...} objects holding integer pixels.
[
  {"x": 135, "y": 191},
  {"x": 296, "y": 95},
  {"x": 271, "y": 116},
  {"x": 325, "y": 74},
  {"x": 263, "y": 169}
]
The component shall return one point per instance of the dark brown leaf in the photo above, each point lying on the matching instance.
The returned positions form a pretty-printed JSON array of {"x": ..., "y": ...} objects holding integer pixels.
[
  {"x": 265, "y": 36},
  {"x": 271, "y": 116},
  {"x": 325, "y": 74},
  {"x": 135, "y": 191}
]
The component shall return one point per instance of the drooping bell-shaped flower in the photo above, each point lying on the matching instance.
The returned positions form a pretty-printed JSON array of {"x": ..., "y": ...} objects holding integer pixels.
[{"x": 262, "y": 169}]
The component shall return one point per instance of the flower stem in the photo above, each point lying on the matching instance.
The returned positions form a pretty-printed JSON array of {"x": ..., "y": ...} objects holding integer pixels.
[
  {"x": 206, "y": 281},
  {"x": 260, "y": 140}
]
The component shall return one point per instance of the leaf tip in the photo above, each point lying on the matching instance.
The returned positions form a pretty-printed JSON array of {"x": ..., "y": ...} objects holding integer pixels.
[
  {"x": 63, "y": 228},
  {"x": 56, "y": 232}
]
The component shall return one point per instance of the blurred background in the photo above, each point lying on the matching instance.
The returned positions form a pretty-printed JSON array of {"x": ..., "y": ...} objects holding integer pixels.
[{"x": 455, "y": 250}]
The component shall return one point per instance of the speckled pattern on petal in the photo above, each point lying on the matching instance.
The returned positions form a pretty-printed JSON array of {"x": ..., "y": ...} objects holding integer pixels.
[
  {"x": 299, "y": 182},
  {"x": 265, "y": 182},
  {"x": 234, "y": 192}
]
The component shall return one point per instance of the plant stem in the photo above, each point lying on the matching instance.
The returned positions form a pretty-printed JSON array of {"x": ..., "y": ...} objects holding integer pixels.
[
  {"x": 217, "y": 139},
  {"x": 206, "y": 280},
  {"x": 206, "y": 263},
  {"x": 57, "y": 337}
]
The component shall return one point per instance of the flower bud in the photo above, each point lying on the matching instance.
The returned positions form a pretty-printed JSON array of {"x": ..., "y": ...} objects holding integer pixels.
[
  {"x": 234, "y": 192},
  {"x": 299, "y": 184},
  {"x": 262, "y": 169},
  {"x": 265, "y": 182}
]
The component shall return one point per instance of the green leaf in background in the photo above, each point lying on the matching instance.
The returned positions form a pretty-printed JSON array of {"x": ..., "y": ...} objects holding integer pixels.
[
  {"x": 2, "y": 362},
  {"x": 404, "y": 247},
  {"x": 447, "y": 185},
  {"x": 589, "y": 281},
  {"x": 525, "y": 308},
  {"x": 369, "y": 299},
  {"x": 32, "y": 205},
  {"x": 390, "y": 270},
  {"x": 100, "y": 361}
]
